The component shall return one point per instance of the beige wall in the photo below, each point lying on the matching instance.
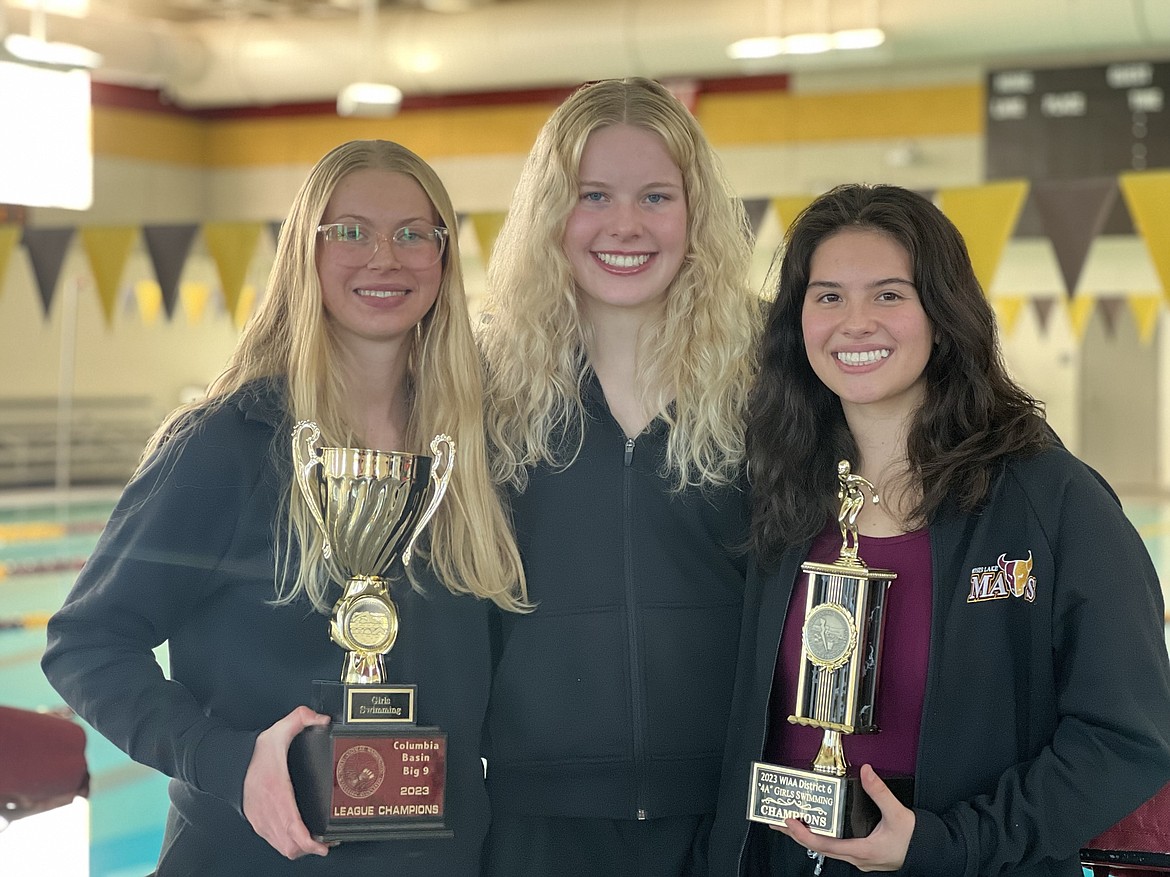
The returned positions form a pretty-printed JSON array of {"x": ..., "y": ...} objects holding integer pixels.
[{"x": 1074, "y": 376}]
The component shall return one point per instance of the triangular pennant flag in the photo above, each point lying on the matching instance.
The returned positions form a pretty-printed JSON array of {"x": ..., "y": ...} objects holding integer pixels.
[
  {"x": 1147, "y": 194},
  {"x": 108, "y": 249},
  {"x": 986, "y": 217},
  {"x": 1110, "y": 308},
  {"x": 788, "y": 207},
  {"x": 194, "y": 298},
  {"x": 46, "y": 250},
  {"x": 232, "y": 245},
  {"x": 1080, "y": 309},
  {"x": 1146, "y": 308},
  {"x": 1072, "y": 213},
  {"x": 149, "y": 296},
  {"x": 1007, "y": 312},
  {"x": 168, "y": 246},
  {"x": 245, "y": 305},
  {"x": 755, "y": 208},
  {"x": 9, "y": 235},
  {"x": 1043, "y": 308},
  {"x": 487, "y": 228}
]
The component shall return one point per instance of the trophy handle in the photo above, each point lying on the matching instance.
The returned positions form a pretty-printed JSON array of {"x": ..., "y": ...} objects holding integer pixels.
[
  {"x": 306, "y": 456},
  {"x": 440, "y": 484}
]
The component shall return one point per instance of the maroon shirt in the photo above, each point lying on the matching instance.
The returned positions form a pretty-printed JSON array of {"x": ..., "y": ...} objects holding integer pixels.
[{"x": 902, "y": 679}]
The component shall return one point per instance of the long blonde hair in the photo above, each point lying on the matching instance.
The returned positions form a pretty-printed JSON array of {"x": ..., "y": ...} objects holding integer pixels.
[
  {"x": 696, "y": 363},
  {"x": 471, "y": 547}
]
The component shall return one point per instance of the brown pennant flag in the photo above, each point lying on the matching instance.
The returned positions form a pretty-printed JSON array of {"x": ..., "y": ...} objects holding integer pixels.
[
  {"x": 46, "y": 250},
  {"x": 108, "y": 248},
  {"x": 168, "y": 246},
  {"x": 1073, "y": 212},
  {"x": 1043, "y": 308},
  {"x": 1111, "y": 307},
  {"x": 232, "y": 245},
  {"x": 1147, "y": 194},
  {"x": 986, "y": 217},
  {"x": 755, "y": 208}
]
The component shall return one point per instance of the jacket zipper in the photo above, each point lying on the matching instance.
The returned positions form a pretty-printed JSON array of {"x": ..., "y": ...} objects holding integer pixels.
[{"x": 636, "y": 694}]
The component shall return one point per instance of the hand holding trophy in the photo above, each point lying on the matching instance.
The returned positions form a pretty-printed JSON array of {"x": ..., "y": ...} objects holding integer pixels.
[
  {"x": 837, "y": 688},
  {"x": 372, "y": 774}
]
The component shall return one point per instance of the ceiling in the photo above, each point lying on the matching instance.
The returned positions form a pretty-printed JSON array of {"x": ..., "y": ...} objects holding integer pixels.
[{"x": 230, "y": 53}]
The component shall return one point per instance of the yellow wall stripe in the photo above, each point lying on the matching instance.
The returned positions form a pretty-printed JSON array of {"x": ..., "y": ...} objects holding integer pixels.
[{"x": 729, "y": 119}]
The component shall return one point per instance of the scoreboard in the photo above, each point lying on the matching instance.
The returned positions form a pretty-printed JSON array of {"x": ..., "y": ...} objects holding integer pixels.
[{"x": 1078, "y": 123}]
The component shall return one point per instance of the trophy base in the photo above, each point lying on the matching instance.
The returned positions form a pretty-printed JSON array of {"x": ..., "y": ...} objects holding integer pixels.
[
  {"x": 828, "y": 805},
  {"x": 363, "y": 780}
]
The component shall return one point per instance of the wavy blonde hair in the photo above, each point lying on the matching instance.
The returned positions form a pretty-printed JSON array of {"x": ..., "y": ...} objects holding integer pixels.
[
  {"x": 697, "y": 362},
  {"x": 471, "y": 546}
]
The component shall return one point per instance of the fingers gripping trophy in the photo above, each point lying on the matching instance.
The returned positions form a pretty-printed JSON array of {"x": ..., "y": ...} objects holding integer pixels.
[
  {"x": 837, "y": 688},
  {"x": 372, "y": 773}
]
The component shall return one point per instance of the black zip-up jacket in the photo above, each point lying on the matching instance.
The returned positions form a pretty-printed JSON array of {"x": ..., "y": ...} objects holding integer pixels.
[
  {"x": 1047, "y": 709},
  {"x": 610, "y": 700},
  {"x": 187, "y": 558}
]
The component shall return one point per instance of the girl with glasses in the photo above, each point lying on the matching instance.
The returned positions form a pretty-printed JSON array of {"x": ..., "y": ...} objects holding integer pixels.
[
  {"x": 213, "y": 550},
  {"x": 619, "y": 342}
]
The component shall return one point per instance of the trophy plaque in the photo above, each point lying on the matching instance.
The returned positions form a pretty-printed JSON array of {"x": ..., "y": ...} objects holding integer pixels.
[
  {"x": 372, "y": 773},
  {"x": 840, "y": 659}
]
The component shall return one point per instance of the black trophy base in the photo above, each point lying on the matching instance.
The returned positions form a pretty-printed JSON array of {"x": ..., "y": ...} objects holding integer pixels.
[
  {"x": 364, "y": 780},
  {"x": 828, "y": 805}
]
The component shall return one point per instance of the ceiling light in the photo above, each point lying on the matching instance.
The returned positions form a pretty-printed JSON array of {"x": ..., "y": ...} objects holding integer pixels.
[
  {"x": 756, "y": 47},
  {"x": 32, "y": 50},
  {"x": 859, "y": 38},
  {"x": 369, "y": 100},
  {"x": 807, "y": 43}
]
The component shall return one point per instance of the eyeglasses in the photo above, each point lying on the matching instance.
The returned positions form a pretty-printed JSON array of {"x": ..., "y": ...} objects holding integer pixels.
[{"x": 354, "y": 245}]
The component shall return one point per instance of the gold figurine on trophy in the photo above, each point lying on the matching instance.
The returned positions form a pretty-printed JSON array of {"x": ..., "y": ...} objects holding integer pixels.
[{"x": 837, "y": 688}]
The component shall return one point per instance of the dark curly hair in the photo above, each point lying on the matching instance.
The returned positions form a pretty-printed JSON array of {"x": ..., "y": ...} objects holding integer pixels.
[{"x": 973, "y": 413}]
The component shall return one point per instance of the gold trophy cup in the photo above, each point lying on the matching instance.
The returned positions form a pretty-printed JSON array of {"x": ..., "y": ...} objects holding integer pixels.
[
  {"x": 372, "y": 773},
  {"x": 837, "y": 688}
]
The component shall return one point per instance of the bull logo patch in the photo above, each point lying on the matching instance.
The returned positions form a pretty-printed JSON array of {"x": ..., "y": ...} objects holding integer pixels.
[{"x": 1008, "y": 578}]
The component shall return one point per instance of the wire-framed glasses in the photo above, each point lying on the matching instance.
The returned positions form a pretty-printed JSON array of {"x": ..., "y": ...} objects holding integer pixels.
[{"x": 354, "y": 244}]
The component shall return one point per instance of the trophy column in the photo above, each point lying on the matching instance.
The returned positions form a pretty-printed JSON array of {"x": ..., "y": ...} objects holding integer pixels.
[
  {"x": 372, "y": 773},
  {"x": 837, "y": 688}
]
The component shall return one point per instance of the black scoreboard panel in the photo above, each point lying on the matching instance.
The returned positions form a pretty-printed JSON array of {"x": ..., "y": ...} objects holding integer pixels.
[{"x": 1075, "y": 123}]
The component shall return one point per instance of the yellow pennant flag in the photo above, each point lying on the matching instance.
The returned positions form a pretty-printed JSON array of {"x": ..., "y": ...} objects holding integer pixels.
[
  {"x": 245, "y": 305},
  {"x": 1146, "y": 307},
  {"x": 788, "y": 207},
  {"x": 986, "y": 217},
  {"x": 194, "y": 298},
  {"x": 149, "y": 296},
  {"x": 1007, "y": 312},
  {"x": 1147, "y": 194},
  {"x": 487, "y": 228},
  {"x": 9, "y": 235},
  {"x": 1080, "y": 310},
  {"x": 108, "y": 248},
  {"x": 232, "y": 245}
]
